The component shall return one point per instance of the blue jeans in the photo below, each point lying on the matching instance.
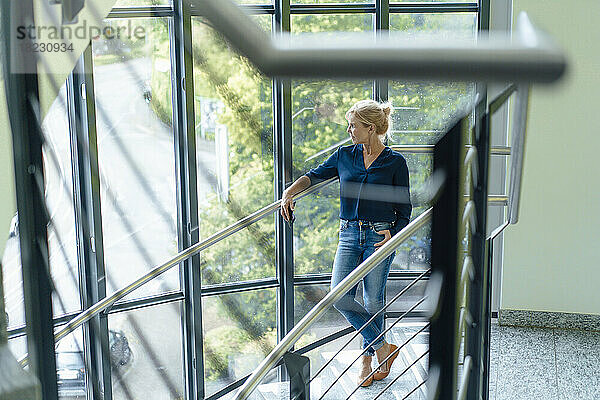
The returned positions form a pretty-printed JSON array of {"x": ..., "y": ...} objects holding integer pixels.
[{"x": 355, "y": 246}]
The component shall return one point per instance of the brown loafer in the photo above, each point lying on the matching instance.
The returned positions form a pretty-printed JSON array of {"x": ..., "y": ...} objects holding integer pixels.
[
  {"x": 382, "y": 375},
  {"x": 366, "y": 383}
]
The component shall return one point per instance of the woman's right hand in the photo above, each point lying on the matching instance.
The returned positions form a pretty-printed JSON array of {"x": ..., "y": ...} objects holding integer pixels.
[{"x": 287, "y": 206}]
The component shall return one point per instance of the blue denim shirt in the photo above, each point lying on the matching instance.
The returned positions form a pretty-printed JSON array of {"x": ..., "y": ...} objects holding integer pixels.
[{"x": 380, "y": 193}]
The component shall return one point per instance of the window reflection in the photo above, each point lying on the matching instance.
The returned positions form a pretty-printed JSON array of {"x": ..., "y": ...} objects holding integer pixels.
[
  {"x": 318, "y": 128},
  {"x": 62, "y": 247},
  {"x": 146, "y": 353},
  {"x": 239, "y": 332},
  {"x": 234, "y": 152},
  {"x": 132, "y": 77}
]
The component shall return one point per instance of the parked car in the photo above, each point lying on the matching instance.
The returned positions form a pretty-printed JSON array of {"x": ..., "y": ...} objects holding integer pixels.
[
  {"x": 147, "y": 91},
  {"x": 417, "y": 251},
  {"x": 70, "y": 366},
  {"x": 421, "y": 252}
]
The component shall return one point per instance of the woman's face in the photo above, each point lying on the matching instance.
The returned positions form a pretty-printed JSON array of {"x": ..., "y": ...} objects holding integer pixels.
[{"x": 359, "y": 132}]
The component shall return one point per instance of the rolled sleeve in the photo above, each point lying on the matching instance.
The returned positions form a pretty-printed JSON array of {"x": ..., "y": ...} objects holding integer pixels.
[{"x": 328, "y": 169}]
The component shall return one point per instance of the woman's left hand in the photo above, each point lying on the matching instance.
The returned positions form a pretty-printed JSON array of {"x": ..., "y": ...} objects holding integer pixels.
[{"x": 388, "y": 236}]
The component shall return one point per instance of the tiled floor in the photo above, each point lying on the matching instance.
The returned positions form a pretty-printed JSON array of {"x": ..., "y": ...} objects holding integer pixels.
[{"x": 535, "y": 363}]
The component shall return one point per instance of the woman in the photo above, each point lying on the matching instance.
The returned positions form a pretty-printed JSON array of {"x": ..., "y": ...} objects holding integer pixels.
[{"x": 374, "y": 206}]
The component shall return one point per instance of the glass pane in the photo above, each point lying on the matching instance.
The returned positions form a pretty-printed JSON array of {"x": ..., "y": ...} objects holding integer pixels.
[
  {"x": 318, "y": 128},
  {"x": 59, "y": 200},
  {"x": 305, "y": 298},
  {"x": 234, "y": 142},
  {"x": 263, "y": 21},
  {"x": 12, "y": 277},
  {"x": 70, "y": 366},
  {"x": 246, "y": 255},
  {"x": 422, "y": 113},
  {"x": 137, "y": 3},
  {"x": 61, "y": 233},
  {"x": 18, "y": 346},
  {"x": 136, "y": 154},
  {"x": 330, "y": 1},
  {"x": 332, "y": 23},
  {"x": 433, "y": 1},
  {"x": 254, "y": 1},
  {"x": 415, "y": 252},
  {"x": 443, "y": 25},
  {"x": 239, "y": 331},
  {"x": 146, "y": 353},
  {"x": 423, "y": 110}
]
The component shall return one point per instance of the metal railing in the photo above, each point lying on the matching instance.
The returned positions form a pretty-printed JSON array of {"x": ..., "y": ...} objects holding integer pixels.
[
  {"x": 529, "y": 56},
  {"x": 389, "y": 328},
  {"x": 283, "y": 59},
  {"x": 185, "y": 254},
  {"x": 181, "y": 256},
  {"x": 335, "y": 294},
  {"x": 472, "y": 218}
]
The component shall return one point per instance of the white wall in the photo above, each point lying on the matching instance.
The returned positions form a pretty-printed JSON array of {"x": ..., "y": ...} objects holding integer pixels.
[{"x": 552, "y": 261}]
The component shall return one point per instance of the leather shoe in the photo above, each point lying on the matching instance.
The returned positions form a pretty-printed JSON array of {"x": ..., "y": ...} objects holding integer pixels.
[{"x": 382, "y": 375}]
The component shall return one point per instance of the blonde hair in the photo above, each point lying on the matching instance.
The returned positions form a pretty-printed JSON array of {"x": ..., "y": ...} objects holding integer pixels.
[{"x": 370, "y": 112}]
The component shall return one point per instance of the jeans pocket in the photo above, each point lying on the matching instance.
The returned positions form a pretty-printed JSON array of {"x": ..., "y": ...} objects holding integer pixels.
[
  {"x": 381, "y": 226},
  {"x": 343, "y": 225}
]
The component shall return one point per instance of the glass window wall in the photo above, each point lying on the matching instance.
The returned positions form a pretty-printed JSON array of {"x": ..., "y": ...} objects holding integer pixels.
[
  {"x": 61, "y": 231},
  {"x": 233, "y": 111}
]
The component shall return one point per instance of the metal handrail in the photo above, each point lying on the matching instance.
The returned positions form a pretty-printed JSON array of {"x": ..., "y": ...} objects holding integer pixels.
[
  {"x": 389, "y": 303},
  {"x": 411, "y": 149},
  {"x": 335, "y": 294},
  {"x": 183, "y": 255},
  {"x": 529, "y": 56},
  {"x": 428, "y": 148},
  {"x": 498, "y": 231}
]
